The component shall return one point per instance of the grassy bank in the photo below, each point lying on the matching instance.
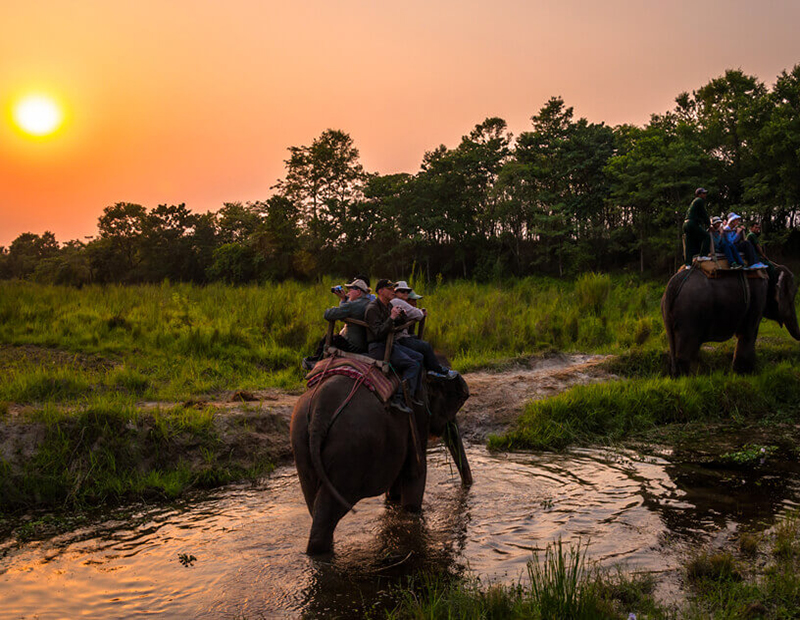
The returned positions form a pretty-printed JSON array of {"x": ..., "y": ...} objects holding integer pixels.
[
  {"x": 174, "y": 341},
  {"x": 108, "y": 451},
  {"x": 757, "y": 578},
  {"x": 614, "y": 410}
]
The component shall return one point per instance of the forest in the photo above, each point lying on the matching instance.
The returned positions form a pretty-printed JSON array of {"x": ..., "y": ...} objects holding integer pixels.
[{"x": 564, "y": 197}]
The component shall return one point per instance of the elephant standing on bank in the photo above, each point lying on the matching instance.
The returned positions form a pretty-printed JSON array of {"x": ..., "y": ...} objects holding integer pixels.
[
  {"x": 698, "y": 309},
  {"x": 367, "y": 449}
]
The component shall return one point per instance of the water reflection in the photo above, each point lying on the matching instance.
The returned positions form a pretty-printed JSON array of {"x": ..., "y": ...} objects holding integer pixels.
[{"x": 249, "y": 540}]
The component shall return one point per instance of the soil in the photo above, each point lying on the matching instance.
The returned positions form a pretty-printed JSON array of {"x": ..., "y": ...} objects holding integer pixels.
[
  {"x": 254, "y": 426},
  {"x": 496, "y": 399}
]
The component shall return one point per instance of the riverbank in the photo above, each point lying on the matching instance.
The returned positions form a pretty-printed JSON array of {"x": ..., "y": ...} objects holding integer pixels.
[{"x": 109, "y": 451}]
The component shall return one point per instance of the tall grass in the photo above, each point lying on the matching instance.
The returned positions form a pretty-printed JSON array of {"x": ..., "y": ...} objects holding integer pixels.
[
  {"x": 178, "y": 340},
  {"x": 110, "y": 450},
  {"x": 615, "y": 409},
  {"x": 559, "y": 586},
  {"x": 174, "y": 341}
]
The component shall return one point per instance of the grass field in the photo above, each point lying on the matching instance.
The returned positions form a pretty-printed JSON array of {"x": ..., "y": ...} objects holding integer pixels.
[
  {"x": 79, "y": 362},
  {"x": 175, "y": 341}
]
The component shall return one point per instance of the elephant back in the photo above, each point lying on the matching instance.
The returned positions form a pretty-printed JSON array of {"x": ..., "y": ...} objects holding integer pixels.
[{"x": 363, "y": 371}]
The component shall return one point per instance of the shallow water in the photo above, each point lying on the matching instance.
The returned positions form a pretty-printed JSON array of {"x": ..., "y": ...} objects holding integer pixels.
[{"x": 248, "y": 541}]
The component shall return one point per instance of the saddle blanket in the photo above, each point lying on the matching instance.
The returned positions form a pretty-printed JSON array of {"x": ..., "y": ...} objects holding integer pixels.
[
  {"x": 717, "y": 268},
  {"x": 378, "y": 383}
]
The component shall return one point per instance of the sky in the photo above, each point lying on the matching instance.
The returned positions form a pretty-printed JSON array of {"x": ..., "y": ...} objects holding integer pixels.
[{"x": 197, "y": 101}]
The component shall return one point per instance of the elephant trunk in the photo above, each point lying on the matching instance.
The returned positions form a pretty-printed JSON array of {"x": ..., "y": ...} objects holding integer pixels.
[
  {"x": 786, "y": 291},
  {"x": 791, "y": 325},
  {"x": 454, "y": 443}
]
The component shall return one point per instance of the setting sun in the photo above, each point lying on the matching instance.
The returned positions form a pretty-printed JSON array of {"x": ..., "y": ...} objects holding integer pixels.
[{"x": 37, "y": 115}]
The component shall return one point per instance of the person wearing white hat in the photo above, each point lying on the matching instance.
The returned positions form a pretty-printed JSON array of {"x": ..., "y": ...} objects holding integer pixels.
[
  {"x": 431, "y": 363},
  {"x": 721, "y": 244},
  {"x": 735, "y": 234}
]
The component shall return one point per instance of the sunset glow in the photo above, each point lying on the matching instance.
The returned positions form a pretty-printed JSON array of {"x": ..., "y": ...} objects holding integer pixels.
[
  {"x": 197, "y": 102},
  {"x": 38, "y": 115}
]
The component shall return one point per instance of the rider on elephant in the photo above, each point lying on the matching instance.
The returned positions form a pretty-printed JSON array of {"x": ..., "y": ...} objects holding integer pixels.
[
  {"x": 381, "y": 319},
  {"x": 753, "y": 239},
  {"x": 695, "y": 228},
  {"x": 352, "y": 338},
  {"x": 402, "y": 293}
]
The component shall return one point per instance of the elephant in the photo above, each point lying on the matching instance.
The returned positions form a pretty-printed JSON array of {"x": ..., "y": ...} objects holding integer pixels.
[
  {"x": 698, "y": 309},
  {"x": 368, "y": 449}
]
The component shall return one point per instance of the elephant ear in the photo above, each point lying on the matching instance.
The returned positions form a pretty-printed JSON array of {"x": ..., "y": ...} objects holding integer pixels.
[{"x": 447, "y": 396}]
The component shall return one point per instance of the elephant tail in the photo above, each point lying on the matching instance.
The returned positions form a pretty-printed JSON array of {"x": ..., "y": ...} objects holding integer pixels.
[{"x": 319, "y": 423}]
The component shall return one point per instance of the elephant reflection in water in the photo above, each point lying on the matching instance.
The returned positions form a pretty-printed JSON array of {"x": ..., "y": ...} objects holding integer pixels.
[
  {"x": 368, "y": 450},
  {"x": 698, "y": 309},
  {"x": 357, "y": 580}
]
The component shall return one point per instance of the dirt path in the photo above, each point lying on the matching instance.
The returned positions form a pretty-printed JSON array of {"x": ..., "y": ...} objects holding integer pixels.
[{"x": 496, "y": 398}]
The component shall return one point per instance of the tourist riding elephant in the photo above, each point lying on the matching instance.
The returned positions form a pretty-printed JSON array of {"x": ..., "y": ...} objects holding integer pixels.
[
  {"x": 698, "y": 309},
  {"x": 368, "y": 449}
]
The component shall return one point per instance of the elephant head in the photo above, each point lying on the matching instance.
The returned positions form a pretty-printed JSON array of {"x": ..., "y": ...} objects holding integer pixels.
[
  {"x": 780, "y": 307},
  {"x": 446, "y": 397}
]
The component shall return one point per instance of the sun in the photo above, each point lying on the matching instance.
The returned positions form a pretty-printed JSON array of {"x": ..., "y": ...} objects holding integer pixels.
[{"x": 38, "y": 115}]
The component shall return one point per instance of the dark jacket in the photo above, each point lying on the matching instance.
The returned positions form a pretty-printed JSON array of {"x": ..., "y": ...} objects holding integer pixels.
[
  {"x": 697, "y": 213},
  {"x": 356, "y": 335},
  {"x": 379, "y": 321}
]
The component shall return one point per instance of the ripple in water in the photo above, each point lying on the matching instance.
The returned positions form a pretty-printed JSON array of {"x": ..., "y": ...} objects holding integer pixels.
[{"x": 248, "y": 541}]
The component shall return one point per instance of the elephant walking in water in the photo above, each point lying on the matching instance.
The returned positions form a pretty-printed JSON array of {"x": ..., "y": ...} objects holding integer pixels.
[
  {"x": 367, "y": 449},
  {"x": 698, "y": 309}
]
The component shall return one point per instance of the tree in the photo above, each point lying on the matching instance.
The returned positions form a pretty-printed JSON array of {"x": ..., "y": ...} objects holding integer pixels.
[
  {"x": 116, "y": 255},
  {"x": 730, "y": 111},
  {"x": 324, "y": 180},
  {"x": 652, "y": 180},
  {"x": 775, "y": 185},
  {"x": 27, "y": 251}
]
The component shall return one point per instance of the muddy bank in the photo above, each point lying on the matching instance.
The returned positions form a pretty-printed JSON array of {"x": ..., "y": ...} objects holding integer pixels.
[{"x": 159, "y": 448}]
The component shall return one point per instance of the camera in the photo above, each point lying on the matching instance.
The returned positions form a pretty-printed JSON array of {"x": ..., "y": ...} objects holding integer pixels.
[{"x": 337, "y": 289}]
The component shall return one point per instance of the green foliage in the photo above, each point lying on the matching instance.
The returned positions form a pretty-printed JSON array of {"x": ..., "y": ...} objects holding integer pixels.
[
  {"x": 750, "y": 455},
  {"x": 559, "y": 586},
  {"x": 614, "y": 410},
  {"x": 177, "y": 341},
  {"x": 108, "y": 450}
]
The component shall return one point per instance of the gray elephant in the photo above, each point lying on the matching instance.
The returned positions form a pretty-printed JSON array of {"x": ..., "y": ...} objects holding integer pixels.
[
  {"x": 698, "y": 309},
  {"x": 367, "y": 450}
]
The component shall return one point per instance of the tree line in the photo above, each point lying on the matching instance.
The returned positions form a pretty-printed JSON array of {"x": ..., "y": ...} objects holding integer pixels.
[{"x": 564, "y": 197}]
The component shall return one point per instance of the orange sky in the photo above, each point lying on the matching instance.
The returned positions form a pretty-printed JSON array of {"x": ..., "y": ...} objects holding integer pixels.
[{"x": 196, "y": 101}]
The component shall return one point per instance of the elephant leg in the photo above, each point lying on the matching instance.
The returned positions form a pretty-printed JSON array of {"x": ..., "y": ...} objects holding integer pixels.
[
  {"x": 327, "y": 513},
  {"x": 412, "y": 487},
  {"x": 394, "y": 494},
  {"x": 686, "y": 349},
  {"x": 744, "y": 358}
]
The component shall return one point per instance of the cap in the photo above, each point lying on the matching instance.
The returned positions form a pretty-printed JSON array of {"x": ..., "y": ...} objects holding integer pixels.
[
  {"x": 732, "y": 216},
  {"x": 402, "y": 285},
  {"x": 716, "y": 219},
  {"x": 383, "y": 283},
  {"x": 413, "y": 295},
  {"x": 359, "y": 284},
  {"x": 700, "y": 190}
]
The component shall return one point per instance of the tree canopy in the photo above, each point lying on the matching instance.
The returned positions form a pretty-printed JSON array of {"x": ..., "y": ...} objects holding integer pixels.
[{"x": 565, "y": 196}]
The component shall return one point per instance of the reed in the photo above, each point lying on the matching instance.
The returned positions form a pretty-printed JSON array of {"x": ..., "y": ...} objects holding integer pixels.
[{"x": 560, "y": 585}]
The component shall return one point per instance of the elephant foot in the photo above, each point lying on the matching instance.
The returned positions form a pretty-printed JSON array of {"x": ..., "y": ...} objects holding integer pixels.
[
  {"x": 319, "y": 548},
  {"x": 392, "y": 500},
  {"x": 744, "y": 367}
]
